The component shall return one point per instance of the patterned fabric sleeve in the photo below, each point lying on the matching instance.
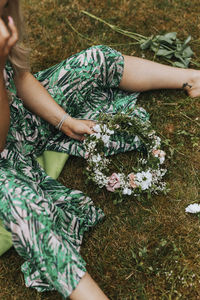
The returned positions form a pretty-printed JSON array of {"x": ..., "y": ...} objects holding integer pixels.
[{"x": 9, "y": 78}]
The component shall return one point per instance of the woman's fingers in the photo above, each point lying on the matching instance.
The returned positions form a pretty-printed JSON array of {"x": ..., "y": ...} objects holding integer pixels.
[
  {"x": 7, "y": 39},
  {"x": 75, "y": 136},
  {"x": 90, "y": 123},
  {"x": 4, "y": 34},
  {"x": 4, "y": 37},
  {"x": 14, "y": 34},
  {"x": 80, "y": 134},
  {"x": 77, "y": 129}
]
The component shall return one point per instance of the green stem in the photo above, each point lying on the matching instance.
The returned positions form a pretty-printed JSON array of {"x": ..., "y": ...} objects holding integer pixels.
[
  {"x": 184, "y": 115},
  {"x": 132, "y": 35},
  {"x": 123, "y": 44},
  {"x": 74, "y": 29},
  {"x": 195, "y": 63}
]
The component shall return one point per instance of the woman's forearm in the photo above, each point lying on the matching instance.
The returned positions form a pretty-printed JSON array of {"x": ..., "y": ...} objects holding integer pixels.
[
  {"x": 4, "y": 114},
  {"x": 37, "y": 99}
]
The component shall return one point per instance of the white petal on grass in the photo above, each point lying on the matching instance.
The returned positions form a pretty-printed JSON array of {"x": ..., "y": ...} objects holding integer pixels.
[{"x": 193, "y": 208}]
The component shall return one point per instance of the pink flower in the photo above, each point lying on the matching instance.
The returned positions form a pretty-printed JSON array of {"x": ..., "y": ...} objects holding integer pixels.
[
  {"x": 86, "y": 155},
  {"x": 113, "y": 183},
  {"x": 132, "y": 180},
  {"x": 160, "y": 154}
]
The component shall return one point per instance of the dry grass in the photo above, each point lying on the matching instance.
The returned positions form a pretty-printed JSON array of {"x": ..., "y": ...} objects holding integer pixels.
[{"x": 147, "y": 249}]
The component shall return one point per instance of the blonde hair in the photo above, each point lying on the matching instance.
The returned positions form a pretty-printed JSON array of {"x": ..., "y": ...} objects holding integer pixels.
[{"x": 19, "y": 54}]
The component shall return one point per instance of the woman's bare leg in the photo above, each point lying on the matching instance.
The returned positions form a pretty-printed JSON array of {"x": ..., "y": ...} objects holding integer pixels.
[
  {"x": 87, "y": 289},
  {"x": 142, "y": 75}
]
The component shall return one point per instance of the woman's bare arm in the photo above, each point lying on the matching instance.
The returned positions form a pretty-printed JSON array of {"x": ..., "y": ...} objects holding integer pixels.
[
  {"x": 36, "y": 98},
  {"x": 7, "y": 41}
]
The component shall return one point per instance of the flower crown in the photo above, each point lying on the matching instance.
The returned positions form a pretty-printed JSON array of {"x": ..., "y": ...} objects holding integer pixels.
[{"x": 146, "y": 177}]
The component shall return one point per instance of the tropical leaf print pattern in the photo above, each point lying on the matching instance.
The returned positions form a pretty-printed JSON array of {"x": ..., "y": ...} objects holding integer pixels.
[{"x": 47, "y": 220}]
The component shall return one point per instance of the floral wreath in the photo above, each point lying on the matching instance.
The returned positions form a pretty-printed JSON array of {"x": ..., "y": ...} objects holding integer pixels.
[{"x": 146, "y": 177}]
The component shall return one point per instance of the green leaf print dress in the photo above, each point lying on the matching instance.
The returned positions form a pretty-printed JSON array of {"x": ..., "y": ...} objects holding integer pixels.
[{"x": 47, "y": 220}]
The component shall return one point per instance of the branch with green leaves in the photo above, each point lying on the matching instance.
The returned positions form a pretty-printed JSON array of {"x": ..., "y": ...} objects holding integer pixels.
[{"x": 166, "y": 46}]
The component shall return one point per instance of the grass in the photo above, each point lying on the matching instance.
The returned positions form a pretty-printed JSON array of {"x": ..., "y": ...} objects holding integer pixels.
[{"x": 147, "y": 249}]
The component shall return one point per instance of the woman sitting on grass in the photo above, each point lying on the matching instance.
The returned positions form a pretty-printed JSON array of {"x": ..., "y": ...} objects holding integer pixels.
[{"x": 54, "y": 110}]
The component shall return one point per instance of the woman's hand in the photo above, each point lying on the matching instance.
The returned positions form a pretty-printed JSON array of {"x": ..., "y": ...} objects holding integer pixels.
[
  {"x": 7, "y": 40},
  {"x": 76, "y": 129}
]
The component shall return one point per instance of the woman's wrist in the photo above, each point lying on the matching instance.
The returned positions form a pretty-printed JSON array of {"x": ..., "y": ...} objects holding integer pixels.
[{"x": 61, "y": 122}]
